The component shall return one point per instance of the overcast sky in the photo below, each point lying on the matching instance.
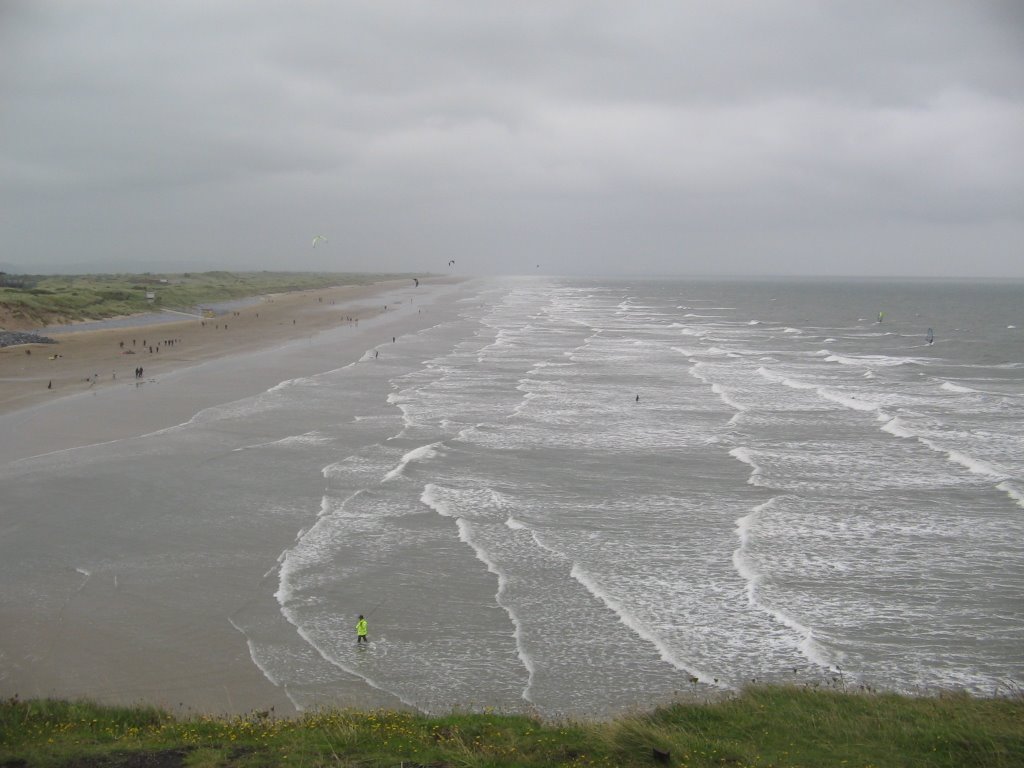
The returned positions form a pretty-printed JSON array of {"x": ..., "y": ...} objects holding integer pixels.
[{"x": 547, "y": 136}]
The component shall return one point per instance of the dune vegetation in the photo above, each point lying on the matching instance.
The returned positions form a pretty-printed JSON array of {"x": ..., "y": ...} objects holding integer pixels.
[
  {"x": 35, "y": 301},
  {"x": 763, "y": 726}
]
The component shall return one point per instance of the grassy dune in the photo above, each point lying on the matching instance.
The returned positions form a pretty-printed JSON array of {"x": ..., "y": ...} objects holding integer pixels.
[
  {"x": 765, "y": 726},
  {"x": 32, "y": 301}
]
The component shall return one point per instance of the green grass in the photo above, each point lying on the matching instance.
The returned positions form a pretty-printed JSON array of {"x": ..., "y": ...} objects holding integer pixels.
[
  {"x": 765, "y": 726},
  {"x": 41, "y": 300}
]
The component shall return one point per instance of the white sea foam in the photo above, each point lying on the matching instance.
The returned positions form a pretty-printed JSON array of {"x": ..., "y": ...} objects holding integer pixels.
[
  {"x": 354, "y": 671},
  {"x": 684, "y": 351},
  {"x": 309, "y": 438},
  {"x": 791, "y": 330},
  {"x": 664, "y": 650},
  {"x": 879, "y": 360},
  {"x": 254, "y": 657},
  {"x": 747, "y": 569},
  {"x": 841, "y": 360},
  {"x": 423, "y": 453},
  {"x": 433, "y": 497},
  {"x": 747, "y": 457},
  {"x": 950, "y": 387},
  {"x": 896, "y": 426},
  {"x": 288, "y": 383},
  {"x": 723, "y": 394},
  {"x": 1013, "y": 491},
  {"x": 976, "y": 466},
  {"x": 515, "y": 525},
  {"x": 791, "y": 383},
  {"x": 743, "y": 564}
]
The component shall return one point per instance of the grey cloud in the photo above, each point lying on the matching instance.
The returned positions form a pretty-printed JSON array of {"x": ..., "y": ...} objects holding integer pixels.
[{"x": 776, "y": 136}]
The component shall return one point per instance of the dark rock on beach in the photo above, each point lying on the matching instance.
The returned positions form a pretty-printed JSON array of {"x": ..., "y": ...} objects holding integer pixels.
[{"x": 12, "y": 338}]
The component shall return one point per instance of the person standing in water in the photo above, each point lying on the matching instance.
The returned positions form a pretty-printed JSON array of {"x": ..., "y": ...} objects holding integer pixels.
[{"x": 361, "y": 630}]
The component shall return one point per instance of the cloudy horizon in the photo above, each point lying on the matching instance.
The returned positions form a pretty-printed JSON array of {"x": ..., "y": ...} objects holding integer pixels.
[{"x": 770, "y": 138}]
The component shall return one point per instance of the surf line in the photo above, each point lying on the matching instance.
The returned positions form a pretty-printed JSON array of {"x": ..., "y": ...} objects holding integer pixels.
[
  {"x": 664, "y": 651},
  {"x": 431, "y": 497},
  {"x": 808, "y": 647},
  {"x": 288, "y": 561},
  {"x": 897, "y": 427}
]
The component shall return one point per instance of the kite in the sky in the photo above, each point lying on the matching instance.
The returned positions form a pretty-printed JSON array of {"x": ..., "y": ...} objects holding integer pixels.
[{"x": 319, "y": 239}]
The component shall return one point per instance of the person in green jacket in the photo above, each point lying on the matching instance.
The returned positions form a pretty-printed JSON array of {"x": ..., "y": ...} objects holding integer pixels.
[{"x": 361, "y": 630}]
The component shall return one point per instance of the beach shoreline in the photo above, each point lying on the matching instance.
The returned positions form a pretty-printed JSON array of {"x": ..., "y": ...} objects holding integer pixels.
[
  {"x": 55, "y": 652},
  {"x": 35, "y": 378}
]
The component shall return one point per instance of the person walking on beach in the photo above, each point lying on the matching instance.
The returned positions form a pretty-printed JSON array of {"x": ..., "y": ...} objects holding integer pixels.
[{"x": 361, "y": 630}]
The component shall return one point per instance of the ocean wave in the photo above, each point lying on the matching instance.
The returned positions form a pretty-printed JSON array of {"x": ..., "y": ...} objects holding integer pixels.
[
  {"x": 637, "y": 626},
  {"x": 423, "y": 453},
  {"x": 746, "y": 566},
  {"x": 784, "y": 380},
  {"x": 747, "y": 457},
  {"x": 434, "y": 496},
  {"x": 950, "y": 387}
]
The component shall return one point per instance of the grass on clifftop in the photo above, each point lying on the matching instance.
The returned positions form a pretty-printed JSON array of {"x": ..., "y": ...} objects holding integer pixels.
[
  {"x": 765, "y": 726},
  {"x": 32, "y": 301}
]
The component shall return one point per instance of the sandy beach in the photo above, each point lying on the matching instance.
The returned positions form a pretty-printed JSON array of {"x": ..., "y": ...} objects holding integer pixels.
[
  {"x": 37, "y": 373},
  {"x": 84, "y": 364},
  {"x": 150, "y": 646}
]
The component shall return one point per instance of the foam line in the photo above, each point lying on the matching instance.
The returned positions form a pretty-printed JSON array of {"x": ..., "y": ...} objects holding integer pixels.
[
  {"x": 345, "y": 667},
  {"x": 283, "y": 595},
  {"x": 431, "y": 496},
  {"x": 780, "y": 379},
  {"x": 666, "y": 653},
  {"x": 895, "y": 426},
  {"x": 1012, "y": 491},
  {"x": 422, "y": 453},
  {"x": 747, "y": 570},
  {"x": 308, "y": 438},
  {"x": 266, "y": 672},
  {"x": 746, "y": 456},
  {"x": 723, "y": 394},
  {"x": 950, "y": 387}
]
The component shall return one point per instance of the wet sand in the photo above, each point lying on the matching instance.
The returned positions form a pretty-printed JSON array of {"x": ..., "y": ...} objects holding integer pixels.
[{"x": 178, "y": 651}]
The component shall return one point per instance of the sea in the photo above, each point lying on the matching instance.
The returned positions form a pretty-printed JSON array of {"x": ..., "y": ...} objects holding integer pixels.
[{"x": 576, "y": 497}]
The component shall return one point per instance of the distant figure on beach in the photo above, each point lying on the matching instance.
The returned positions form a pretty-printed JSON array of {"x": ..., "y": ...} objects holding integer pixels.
[
  {"x": 638, "y": 398},
  {"x": 50, "y": 384},
  {"x": 361, "y": 630}
]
